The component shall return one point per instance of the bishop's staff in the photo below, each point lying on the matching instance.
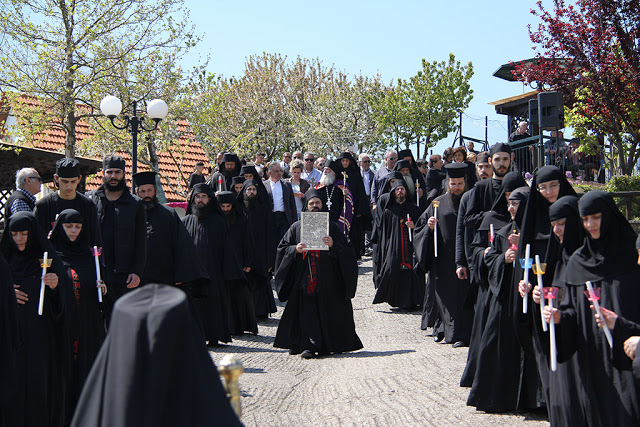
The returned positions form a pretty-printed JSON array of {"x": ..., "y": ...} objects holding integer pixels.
[
  {"x": 344, "y": 204},
  {"x": 435, "y": 203},
  {"x": 45, "y": 262}
]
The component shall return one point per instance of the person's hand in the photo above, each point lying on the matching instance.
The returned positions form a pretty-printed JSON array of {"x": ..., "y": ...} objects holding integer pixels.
[
  {"x": 548, "y": 311},
  {"x": 21, "y": 297},
  {"x": 486, "y": 251},
  {"x": 524, "y": 288},
  {"x": 327, "y": 240},
  {"x": 514, "y": 239},
  {"x": 461, "y": 272},
  {"x": 133, "y": 281},
  {"x": 432, "y": 222},
  {"x": 609, "y": 317},
  {"x": 536, "y": 294},
  {"x": 300, "y": 247},
  {"x": 51, "y": 280},
  {"x": 246, "y": 269},
  {"x": 630, "y": 346},
  {"x": 410, "y": 224},
  {"x": 345, "y": 190},
  {"x": 510, "y": 255},
  {"x": 102, "y": 287}
]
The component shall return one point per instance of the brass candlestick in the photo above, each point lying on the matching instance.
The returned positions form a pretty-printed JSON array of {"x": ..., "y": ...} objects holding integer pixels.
[{"x": 230, "y": 369}]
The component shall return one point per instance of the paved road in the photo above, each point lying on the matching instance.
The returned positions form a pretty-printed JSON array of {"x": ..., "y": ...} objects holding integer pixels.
[{"x": 401, "y": 377}]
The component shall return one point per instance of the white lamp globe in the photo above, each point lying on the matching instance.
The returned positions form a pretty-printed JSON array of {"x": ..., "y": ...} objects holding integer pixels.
[
  {"x": 110, "y": 106},
  {"x": 157, "y": 109}
]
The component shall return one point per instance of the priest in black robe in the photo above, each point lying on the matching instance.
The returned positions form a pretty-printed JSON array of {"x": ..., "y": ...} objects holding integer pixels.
[
  {"x": 67, "y": 178},
  {"x": 242, "y": 317},
  {"x": 261, "y": 229},
  {"x": 399, "y": 286},
  {"x": 336, "y": 194},
  {"x": 455, "y": 318},
  {"x": 505, "y": 377},
  {"x": 171, "y": 255},
  {"x": 154, "y": 368},
  {"x": 318, "y": 287},
  {"x": 208, "y": 229},
  {"x": 230, "y": 167}
]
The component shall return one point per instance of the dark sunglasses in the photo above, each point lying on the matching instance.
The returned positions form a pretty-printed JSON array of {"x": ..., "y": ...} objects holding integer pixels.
[
  {"x": 309, "y": 160},
  {"x": 366, "y": 161}
]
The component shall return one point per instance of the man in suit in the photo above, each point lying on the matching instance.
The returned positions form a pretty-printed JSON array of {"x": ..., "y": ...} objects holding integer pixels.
[
  {"x": 282, "y": 201},
  {"x": 367, "y": 178}
]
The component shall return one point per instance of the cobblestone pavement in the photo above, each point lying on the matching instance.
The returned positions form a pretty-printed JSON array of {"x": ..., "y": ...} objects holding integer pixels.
[{"x": 401, "y": 377}]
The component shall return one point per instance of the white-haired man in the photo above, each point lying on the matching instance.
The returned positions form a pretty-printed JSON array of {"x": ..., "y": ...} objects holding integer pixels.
[{"x": 23, "y": 198}]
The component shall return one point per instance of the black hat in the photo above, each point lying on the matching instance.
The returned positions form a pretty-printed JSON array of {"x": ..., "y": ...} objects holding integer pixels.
[
  {"x": 203, "y": 188},
  {"x": 230, "y": 157},
  {"x": 313, "y": 193},
  {"x": 67, "y": 168},
  {"x": 405, "y": 153},
  {"x": 144, "y": 178},
  {"x": 520, "y": 193},
  {"x": 249, "y": 169},
  {"x": 482, "y": 157},
  {"x": 237, "y": 180},
  {"x": 500, "y": 147},
  {"x": 334, "y": 165},
  {"x": 113, "y": 161},
  {"x": 456, "y": 170},
  {"x": 226, "y": 197},
  {"x": 401, "y": 164}
]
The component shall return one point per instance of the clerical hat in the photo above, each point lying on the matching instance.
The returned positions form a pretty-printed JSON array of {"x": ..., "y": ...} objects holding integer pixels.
[
  {"x": 226, "y": 197},
  {"x": 144, "y": 178},
  {"x": 237, "y": 180},
  {"x": 113, "y": 161},
  {"x": 456, "y": 170},
  {"x": 500, "y": 147},
  {"x": 67, "y": 168},
  {"x": 334, "y": 165},
  {"x": 482, "y": 157}
]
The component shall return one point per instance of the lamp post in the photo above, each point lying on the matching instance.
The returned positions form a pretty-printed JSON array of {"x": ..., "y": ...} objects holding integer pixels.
[{"x": 156, "y": 110}]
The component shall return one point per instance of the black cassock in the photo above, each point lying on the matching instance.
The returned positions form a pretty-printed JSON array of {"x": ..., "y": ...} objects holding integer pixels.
[
  {"x": 154, "y": 368},
  {"x": 171, "y": 254},
  {"x": 443, "y": 283},
  {"x": 48, "y": 207},
  {"x": 318, "y": 316},
  {"x": 9, "y": 337},
  {"x": 212, "y": 239},
  {"x": 398, "y": 284},
  {"x": 506, "y": 379}
]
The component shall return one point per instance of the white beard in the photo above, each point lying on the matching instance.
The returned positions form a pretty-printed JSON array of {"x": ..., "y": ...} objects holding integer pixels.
[{"x": 327, "y": 179}]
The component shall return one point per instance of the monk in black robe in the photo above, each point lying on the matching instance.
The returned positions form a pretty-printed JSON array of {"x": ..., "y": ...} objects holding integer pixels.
[
  {"x": 154, "y": 368},
  {"x": 230, "y": 167},
  {"x": 450, "y": 291},
  {"x": 71, "y": 241},
  {"x": 505, "y": 378},
  {"x": 242, "y": 317},
  {"x": 9, "y": 338},
  {"x": 67, "y": 179},
  {"x": 208, "y": 229},
  {"x": 607, "y": 259},
  {"x": 260, "y": 226},
  {"x": 318, "y": 287},
  {"x": 399, "y": 286},
  {"x": 42, "y": 376}
]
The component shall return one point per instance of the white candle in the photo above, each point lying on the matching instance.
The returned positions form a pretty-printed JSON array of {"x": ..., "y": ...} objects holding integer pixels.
[
  {"x": 417, "y": 194},
  {"x": 545, "y": 327},
  {"x": 45, "y": 259},
  {"x": 527, "y": 256},
  {"x": 409, "y": 219},
  {"x": 96, "y": 256},
  {"x": 596, "y": 305},
  {"x": 492, "y": 234},
  {"x": 435, "y": 232},
  {"x": 552, "y": 339}
]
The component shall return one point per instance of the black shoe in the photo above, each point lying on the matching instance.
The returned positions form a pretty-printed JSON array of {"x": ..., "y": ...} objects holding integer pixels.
[
  {"x": 308, "y": 354},
  {"x": 458, "y": 344},
  {"x": 438, "y": 337},
  {"x": 294, "y": 351}
]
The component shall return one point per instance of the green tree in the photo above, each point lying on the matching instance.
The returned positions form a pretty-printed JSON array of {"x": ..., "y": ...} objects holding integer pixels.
[{"x": 74, "y": 52}]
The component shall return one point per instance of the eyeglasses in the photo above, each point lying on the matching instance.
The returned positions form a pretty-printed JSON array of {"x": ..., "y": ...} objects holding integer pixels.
[
  {"x": 366, "y": 161},
  {"x": 546, "y": 188},
  {"x": 36, "y": 177},
  {"x": 309, "y": 160}
]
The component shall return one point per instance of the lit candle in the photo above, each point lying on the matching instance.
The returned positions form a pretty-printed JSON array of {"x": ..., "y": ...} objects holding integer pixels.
[
  {"x": 596, "y": 305},
  {"x": 417, "y": 194},
  {"x": 436, "y": 203},
  {"x": 45, "y": 264},
  {"x": 539, "y": 272},
  {"x": 96, "y": 255},
  {"x": 527, "y": 258}
]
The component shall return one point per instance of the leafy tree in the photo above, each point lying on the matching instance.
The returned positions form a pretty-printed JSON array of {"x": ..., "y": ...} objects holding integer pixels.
[
  {"x": 73, "y": 52},
  {"x": 598, "y": 42}
]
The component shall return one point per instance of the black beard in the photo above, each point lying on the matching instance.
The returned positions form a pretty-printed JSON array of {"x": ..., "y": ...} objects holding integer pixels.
[
  {"x": 314, "y": 209},
  {"x": 201, "y": 212},
  {"x": 230, "y": 216},
  {"x": 148, "y": 205},
  {"x": 456, "y": 198},
  {"x": 250, "y": 202},
  {"x": 120, "y": 186},
  {"x": 401, "y": 200},
  {"x": 497, "y": 175}
]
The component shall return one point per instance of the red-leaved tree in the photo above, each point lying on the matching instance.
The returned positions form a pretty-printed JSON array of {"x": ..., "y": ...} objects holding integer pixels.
[{"x": 590, "y": 52}]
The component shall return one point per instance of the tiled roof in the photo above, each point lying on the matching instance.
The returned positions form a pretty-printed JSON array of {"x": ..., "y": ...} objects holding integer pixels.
[{"x": 174, "y": 166}]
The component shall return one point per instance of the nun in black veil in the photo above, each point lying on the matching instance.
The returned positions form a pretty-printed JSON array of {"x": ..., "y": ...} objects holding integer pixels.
[
  {"x": 41, "y": 384},
  {"x": 9, "y": 337},
  {"x": 71, "y": 240}
]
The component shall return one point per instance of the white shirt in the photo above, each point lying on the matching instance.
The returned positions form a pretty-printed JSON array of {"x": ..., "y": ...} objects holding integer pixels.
[
  {"x": 276, "y": 194},
  {"x": 313, "y": 177},
  {"x": 367, "y": 183}
]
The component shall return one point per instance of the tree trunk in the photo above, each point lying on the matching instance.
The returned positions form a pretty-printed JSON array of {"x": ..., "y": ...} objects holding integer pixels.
[
  {"x": 68, "y": 102},
  {"x": 153, "y": 162}
]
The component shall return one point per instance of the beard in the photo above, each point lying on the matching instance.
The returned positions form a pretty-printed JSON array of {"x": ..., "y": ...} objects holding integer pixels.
[
  {"x": 456, "y": 198},
  {"x": 201, "y": 212},
  {"x": 120, "y": 186},
  {"x": 150, "y": 204},
  {"x": 314, "y": 209},
  {"x": 250, "y": 202},
  {"x": 230, "y": 216},
  {"x": 328, "y": 179},
  {"x": 401, "y": 199},
  {"x": 498, "y": 174}
]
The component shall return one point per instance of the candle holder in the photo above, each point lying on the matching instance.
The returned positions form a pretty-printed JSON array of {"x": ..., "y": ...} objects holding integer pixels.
[
  {"x": 95, "y": 251},
  {"x": 435, "y": 203},
  {"x": 550, "y": 292},
  {"x": 541, "y": 269},
  {"x": 595, "y": 296},
  {"x": 48, "y": 263},
  {"x": 526, "y": 263}
]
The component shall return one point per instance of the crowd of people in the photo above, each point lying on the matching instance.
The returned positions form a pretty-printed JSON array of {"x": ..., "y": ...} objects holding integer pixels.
[{"x": 463, "y": 237}]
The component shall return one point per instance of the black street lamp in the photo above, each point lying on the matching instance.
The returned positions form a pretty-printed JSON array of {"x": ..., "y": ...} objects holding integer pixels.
[{"x": 156, "y": 110}]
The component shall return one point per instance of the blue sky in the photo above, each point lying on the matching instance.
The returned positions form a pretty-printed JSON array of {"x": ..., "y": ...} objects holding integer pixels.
[{"x": 389, "y": 38}]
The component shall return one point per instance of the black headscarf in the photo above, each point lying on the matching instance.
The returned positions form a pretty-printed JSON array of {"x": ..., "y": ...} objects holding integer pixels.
[
  {"x": 65, "y": 247},
  {"x": 387, "y": 181},
  {"x": 613, "y": 254},
  {"x": 312, "y": 193},
  {"x": 521, "y": 194},
  {"x": 25, "y": 264},
  {"x": 573, "y": 237}
]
